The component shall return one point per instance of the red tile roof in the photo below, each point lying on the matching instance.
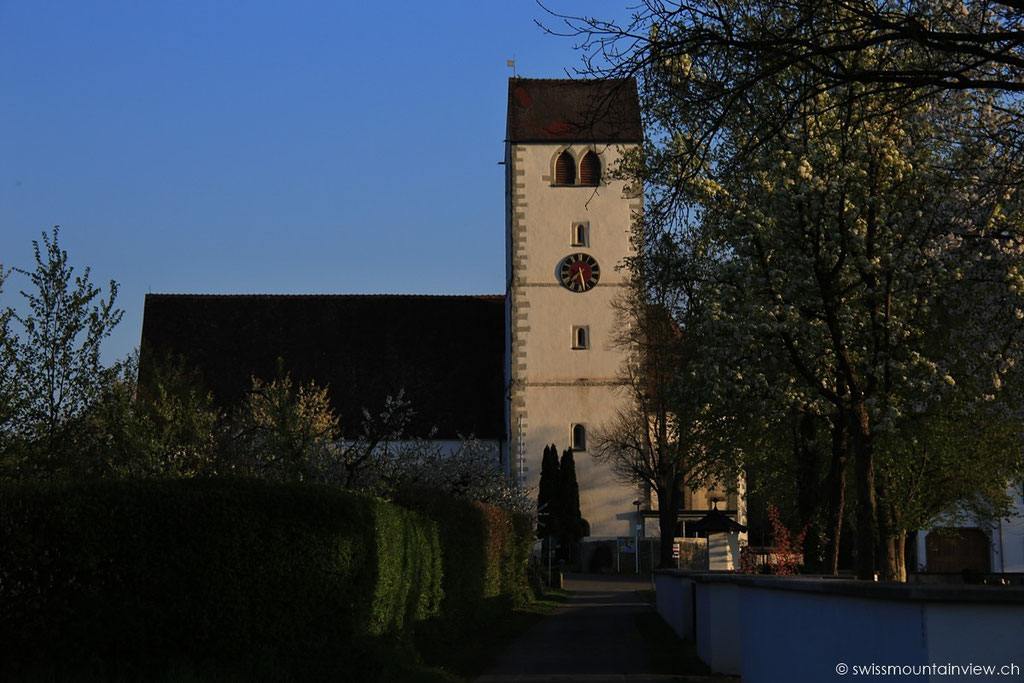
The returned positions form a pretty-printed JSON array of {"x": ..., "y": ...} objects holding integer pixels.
[
  {"x": 446, "y": 352},
  {"x": 564, "y": 110}
]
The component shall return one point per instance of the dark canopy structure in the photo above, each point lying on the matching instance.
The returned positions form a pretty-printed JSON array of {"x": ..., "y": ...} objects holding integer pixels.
[{"x": 716, "y": 522}]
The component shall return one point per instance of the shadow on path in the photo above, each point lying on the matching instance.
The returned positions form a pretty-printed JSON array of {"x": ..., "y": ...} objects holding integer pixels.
[{"x": 592, "y": 637}]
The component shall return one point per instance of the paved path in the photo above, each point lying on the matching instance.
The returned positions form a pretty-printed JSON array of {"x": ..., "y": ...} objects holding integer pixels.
[{"x": 592, "y": 637}]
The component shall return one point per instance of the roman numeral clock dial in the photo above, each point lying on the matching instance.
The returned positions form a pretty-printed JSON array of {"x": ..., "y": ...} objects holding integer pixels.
[{"x": 579, "y": 272}]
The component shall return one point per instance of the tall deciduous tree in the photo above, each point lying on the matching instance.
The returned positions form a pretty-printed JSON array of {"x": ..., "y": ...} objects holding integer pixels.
[
  {"x": 8, "y": 395},
  {"x": 720, "y": 49},
  {"x": 662, "y": 438},
  {"x": 54, "y": 352}
]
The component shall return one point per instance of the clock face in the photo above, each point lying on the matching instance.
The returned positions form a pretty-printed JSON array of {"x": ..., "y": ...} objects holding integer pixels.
[{"x": 579, "y": 272}]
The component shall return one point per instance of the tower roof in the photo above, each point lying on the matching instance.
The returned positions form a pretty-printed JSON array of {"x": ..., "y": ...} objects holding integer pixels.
[{"x": 567, "y": 110}]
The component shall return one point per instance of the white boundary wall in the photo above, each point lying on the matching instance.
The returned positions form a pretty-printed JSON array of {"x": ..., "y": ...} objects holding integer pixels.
[{"x": 808, "y": 629}]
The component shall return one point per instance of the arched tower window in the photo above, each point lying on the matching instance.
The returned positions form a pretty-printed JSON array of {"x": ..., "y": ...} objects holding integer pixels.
[
  {"x": 590, "y": 169},
  {"x": 579, "y": 235},
  {"x": 579, "y": 438},
  {"x": 565, "y": 169},
  {"x": 581, "y": 337}
]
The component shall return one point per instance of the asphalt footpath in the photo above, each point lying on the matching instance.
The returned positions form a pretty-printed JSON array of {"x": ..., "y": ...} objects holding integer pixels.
[{"x": 590, "y": 637}]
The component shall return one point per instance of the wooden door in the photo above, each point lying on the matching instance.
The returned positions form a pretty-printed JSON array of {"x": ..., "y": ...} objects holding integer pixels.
[{"x": 957, "y": 549}]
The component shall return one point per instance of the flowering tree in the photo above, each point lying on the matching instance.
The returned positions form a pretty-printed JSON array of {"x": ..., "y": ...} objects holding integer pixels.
[
  {"x": 845, "y": 243},
  {"x": 163, "y": 426},
  {"x": 471, "y": 471},
  {"x": 864, "y": 241},
  {"x": 851, "y": 171},
  {"x": 286, "y": 431}
]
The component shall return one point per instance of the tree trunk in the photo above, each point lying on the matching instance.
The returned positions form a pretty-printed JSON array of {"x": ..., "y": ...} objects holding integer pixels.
[
  {"x": 890, "y": 542},
  {"x": 809, "y": 490},
  {"x": 837, "y": 489},
  {"x": 866, "y": 502},
  {"x": 668, "y": 515},
  {"x": 900, "y": 539},
  {"x": 894, "y": 565}
]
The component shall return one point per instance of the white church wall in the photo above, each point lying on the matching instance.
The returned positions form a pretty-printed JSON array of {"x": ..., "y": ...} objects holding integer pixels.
[
  {"x": 605, "y": 503},
  {"x": 1010, "y": 535},
  {"x": 445, "y": 446},
  {"x": 559, "y": 207}
]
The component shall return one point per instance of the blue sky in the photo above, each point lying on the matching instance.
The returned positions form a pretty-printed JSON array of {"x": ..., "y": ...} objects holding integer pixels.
[{"x": 264, "y": 147}]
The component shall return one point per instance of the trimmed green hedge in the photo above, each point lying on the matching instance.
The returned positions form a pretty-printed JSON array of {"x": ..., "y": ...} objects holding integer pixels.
[
  {"x": 207, "y": 571},
  {"x": 485, "y": 554}
]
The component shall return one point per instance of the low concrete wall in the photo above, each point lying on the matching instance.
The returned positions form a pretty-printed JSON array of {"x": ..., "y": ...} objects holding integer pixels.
[
  {"x": 820, "y": 629},
  {"x": 674, "y": 601},
  {"x": 717, "y": 625}
]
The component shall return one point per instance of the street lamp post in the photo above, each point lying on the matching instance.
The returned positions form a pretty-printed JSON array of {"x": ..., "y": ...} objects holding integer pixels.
[
  {"x": 638, "y": 503},
  {"x": 549, "y": 540}
]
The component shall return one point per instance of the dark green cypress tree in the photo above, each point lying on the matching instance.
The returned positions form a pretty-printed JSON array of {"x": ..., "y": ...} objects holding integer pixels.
[
  {"x": 547, "y": 493},
  {"x": 570, "y": 526}
]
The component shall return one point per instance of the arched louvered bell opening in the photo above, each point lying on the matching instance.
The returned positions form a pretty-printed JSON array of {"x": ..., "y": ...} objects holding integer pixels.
[
  {"x": 590, "y": 169},
  {"x": 565, "y": 169}
]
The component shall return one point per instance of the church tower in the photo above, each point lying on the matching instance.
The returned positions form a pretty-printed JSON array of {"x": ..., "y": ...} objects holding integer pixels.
[{"x": 568, "y": 228}]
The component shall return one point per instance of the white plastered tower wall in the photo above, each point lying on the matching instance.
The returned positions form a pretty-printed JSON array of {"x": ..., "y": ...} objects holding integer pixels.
[{"x": 552, "y": 385}]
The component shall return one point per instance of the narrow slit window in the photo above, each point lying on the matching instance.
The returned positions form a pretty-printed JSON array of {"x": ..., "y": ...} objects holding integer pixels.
[
  {"x": 579, "y": 437},
  {"x": 565, "y": 169},
  {"x": 581, "y": 337},
  {"x": 590, "y": 169}
]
